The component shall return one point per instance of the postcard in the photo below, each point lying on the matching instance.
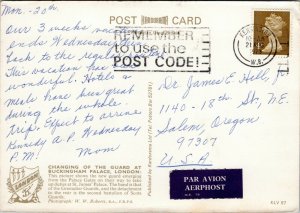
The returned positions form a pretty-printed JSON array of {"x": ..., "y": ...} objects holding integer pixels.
[{"x": 165, "y": 106}]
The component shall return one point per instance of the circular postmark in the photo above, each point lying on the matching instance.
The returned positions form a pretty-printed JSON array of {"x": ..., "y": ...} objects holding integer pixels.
[{"x": 255, "y": 45}]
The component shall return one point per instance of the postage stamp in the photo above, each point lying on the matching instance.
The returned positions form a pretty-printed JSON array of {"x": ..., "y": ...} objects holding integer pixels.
[
  {"x": 256, "y": 45},
  {"x": 279, "y": 23}
]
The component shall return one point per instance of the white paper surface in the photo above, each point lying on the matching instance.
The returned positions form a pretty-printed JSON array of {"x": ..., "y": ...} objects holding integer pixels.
[{"x": 105, "y": 104}]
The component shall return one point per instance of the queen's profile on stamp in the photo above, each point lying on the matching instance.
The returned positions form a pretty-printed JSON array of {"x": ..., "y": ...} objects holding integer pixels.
[{"x": 274, "y": 23}]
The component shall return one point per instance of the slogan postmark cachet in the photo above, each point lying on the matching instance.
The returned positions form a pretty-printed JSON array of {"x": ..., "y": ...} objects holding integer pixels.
[
  {"x": 24, "y": 183},
  {"x": 161, "y": 45},
  {"x": 161, "y": 49}
]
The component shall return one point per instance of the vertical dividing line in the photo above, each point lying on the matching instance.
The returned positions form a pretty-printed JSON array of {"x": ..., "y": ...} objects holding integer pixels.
[{"x": 209, "y": 59}]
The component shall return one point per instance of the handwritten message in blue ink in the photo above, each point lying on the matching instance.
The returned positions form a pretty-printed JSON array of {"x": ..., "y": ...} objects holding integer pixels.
[{"x": 60, "y": 91}]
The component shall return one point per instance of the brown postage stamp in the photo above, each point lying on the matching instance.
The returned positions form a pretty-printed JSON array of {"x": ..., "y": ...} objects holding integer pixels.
[{"x": 278, "y": 22}]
